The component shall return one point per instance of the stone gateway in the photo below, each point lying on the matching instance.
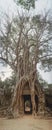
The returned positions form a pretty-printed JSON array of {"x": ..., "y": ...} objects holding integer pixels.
[{"x": 28, "y": 97}]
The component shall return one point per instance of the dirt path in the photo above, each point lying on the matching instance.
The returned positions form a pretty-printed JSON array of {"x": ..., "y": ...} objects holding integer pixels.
[{"x": 25, "y": 123}]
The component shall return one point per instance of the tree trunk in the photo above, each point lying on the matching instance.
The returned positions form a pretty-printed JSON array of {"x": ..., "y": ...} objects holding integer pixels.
[{"x": 26, "y": 58}]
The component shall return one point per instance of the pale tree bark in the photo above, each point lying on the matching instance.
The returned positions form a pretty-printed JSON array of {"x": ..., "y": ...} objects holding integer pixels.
[{"x": 26, "y": 57}]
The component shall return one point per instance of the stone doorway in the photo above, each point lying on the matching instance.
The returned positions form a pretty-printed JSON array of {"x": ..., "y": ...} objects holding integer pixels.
[{"x": 27, "y": 104}]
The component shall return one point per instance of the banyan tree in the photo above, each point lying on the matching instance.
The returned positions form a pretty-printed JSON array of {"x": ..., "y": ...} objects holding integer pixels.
[{"x": 28, "y": 92}]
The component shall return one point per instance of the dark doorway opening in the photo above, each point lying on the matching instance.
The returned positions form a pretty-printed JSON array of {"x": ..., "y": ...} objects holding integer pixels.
[
  {"x": 27, "y": 104},
  {"x": 36, "y": 102},
  {"x": 48, "y": 101}
]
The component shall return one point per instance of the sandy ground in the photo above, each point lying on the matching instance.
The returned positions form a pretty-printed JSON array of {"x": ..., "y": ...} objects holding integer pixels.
[{"x": 25, "y": 123}]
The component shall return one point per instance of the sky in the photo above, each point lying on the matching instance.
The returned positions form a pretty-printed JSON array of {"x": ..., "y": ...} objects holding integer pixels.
[{"x": 9, "y": 7}]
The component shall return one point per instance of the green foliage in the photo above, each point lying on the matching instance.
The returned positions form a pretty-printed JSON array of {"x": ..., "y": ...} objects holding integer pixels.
[
  {"x": 1, "y": 83},
  {"x": 27, "y": 3},
  {"x": 42, "y": 81},
  {"x": 9, "y": 82},
  {"x": 48, "y": 90}
]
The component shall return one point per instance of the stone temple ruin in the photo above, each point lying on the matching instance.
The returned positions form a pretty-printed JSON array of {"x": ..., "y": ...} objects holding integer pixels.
[{"x": 28, "y": 97}]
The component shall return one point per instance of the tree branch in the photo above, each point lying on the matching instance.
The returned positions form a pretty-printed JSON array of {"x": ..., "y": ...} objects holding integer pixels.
[{"x": 12, "y": 65}]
